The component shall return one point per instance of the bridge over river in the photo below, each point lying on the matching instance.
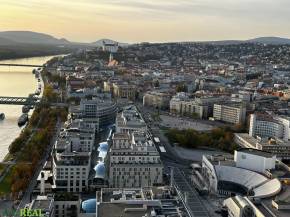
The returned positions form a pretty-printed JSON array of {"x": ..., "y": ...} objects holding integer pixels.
[
  {"x": 22, "y": 65},
  {"x": 10, "y": 100}
]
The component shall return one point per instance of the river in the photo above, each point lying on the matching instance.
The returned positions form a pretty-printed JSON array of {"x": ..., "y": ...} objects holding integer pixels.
[{"x": 15, "y": 81}]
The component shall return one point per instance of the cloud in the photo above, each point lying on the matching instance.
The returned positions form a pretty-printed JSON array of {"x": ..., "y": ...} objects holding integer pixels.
[{"x": 154, "y": 19}]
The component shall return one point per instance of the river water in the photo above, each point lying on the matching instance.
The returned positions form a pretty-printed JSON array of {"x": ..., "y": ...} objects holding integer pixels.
[{"x": 15, "y": 81}]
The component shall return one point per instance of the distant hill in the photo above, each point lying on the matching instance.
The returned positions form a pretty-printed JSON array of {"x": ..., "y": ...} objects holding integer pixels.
[
  {"x": 270, "y": 40},
  {"x": 8, "y": 38},
  {"x": 6, "y": 42},
  {"x": 27, "y": 37},
  {"x": 261, "y": 40},
  {"x": 225, "y": 42}
]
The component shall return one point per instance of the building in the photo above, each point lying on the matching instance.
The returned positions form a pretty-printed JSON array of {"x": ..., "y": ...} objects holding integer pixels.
[
  {"x": 71, "y": 171},
  {"x": 100, "y": 111},
  {"x": 130, "y": 121},
  {"x": 277, "y": 147},
  {"x": 133, "y": 202},
  {"x": 156, "y": 99},
  {"x": 72, "y": 157},
  {"x": 181, "y": 104},
  {"x": 255, "y": 160},
  {"x": 239, "y": 206},
  {"x": 268, "y": 133},
  {"x": 265, "y": 126},
  {"x": 120, "y": 89},
  {"x": 222, "y": 176},
  {"x": 124, "y": 90},
  {"x": 202, "y": 108},
  {"x": 233, "y": 114},
  {"x": 109, "y": 46},
  {"x": 134, "y": 161},
  {"x": 73, "y": 84},
  {"x": 41, "y": 206},
  {"x": 133, "y": 158},
  {"x": 66, "y": 205}
]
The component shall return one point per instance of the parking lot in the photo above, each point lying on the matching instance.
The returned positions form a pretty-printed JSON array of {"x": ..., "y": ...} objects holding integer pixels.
[{"x": 184, "y": 123}]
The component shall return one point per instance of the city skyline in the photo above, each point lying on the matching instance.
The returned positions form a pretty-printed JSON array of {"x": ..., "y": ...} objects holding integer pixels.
[{"x": 136, "y": 21}]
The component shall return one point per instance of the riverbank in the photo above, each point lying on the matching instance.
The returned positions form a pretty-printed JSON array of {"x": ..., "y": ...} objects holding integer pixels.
[
  {"x": 20, "y": 82},
  {"x": 30, "y": 147},
  {"x": 28, "y": 51},
  {"x": 28, "y": 150}
]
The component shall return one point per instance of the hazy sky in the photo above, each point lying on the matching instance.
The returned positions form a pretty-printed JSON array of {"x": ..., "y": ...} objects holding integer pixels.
[{"x": 148, "y": 20}]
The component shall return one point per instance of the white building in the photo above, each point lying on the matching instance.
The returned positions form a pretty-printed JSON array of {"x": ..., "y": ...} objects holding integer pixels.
[
  {"x": 265, "y": 125},
  {"x": 71, "y": 160},
  {"x": 277, "y": 147},
  {"x": 234, "y": 114},
  {"x": 111, "y": 47},
  {"x": 255, "y": 160},
  {"x": 238, "y": 206},
  {"x": 222, "y": 176},
  {"x": 133, "y": 158}
]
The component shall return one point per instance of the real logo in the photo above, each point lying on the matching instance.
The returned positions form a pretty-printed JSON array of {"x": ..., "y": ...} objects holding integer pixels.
[{"x": 31, "y": 213}]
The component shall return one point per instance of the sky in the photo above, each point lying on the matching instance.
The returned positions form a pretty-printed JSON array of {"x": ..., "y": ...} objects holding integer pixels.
[{"x": 148, "y": 20}]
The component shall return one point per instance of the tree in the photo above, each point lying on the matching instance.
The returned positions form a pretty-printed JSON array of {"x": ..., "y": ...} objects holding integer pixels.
[
  {"x": 181, "y": 88},
  {"x": 156, "y": 83},
  {"x": 49, "y": 94}
]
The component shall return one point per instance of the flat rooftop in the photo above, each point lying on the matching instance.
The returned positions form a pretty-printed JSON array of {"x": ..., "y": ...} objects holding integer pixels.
[
  {"x": 256, "y": 152},
  {"x": 124, "y": 210},
  {"x": 43, "y": 203}
]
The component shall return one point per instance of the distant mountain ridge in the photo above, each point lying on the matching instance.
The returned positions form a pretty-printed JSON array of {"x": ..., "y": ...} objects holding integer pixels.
[
  {"x": 270, "y": 40},
  {"x": 28, "y": 37},
  {"x": 262, "y": 40}
]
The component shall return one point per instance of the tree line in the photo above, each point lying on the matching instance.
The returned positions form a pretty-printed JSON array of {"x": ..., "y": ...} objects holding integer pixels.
[{"x": 220, "y": 138}]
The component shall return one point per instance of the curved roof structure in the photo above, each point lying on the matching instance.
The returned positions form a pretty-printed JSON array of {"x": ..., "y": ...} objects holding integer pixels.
[
  {"x": 103, "y": 149},
  {"x": 259, "y": 184},
  {"x": 100, "y": 170},
  {"x": 89, "y": 206}
]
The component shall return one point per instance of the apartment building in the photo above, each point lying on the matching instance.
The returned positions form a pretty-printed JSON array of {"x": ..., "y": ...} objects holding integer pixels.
[
  {"x": 182, "y": 104},
  {"x": 72, "y": 157},
  {"x": 231, "y": 113},
  {"x": 133, "y": 158},
  {"x": 156, "y": 99}
]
